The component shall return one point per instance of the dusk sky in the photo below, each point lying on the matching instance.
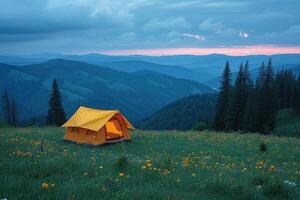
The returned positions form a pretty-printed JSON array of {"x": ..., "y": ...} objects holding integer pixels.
[{"x": 152, "y": 27}]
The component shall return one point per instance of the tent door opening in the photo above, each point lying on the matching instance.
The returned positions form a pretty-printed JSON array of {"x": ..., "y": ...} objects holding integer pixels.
[{"x": 113, "y": 130}]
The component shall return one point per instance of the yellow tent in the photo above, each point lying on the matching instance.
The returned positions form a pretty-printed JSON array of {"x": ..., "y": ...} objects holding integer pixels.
[{"x": 95, "y": 127}]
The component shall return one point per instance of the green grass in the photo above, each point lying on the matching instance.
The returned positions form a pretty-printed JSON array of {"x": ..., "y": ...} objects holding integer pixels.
[
  {"x": 155, "y": 165},
  {"x": 287, "y": 123}
]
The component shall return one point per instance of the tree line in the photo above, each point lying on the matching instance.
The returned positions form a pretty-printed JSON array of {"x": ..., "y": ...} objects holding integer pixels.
[
  {"x": 251, "y": 106},
  {"x": 56, "y": 115}
]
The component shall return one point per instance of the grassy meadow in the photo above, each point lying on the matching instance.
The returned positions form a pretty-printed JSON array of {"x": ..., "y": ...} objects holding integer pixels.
[{"x": 37, "y": 164}]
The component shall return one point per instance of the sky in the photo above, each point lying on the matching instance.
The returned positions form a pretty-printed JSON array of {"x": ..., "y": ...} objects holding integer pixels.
[{"x": 149, "y": 27}]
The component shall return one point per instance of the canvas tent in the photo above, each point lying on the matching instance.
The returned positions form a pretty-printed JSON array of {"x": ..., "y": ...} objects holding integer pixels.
[{"x": 96, "y": 127}]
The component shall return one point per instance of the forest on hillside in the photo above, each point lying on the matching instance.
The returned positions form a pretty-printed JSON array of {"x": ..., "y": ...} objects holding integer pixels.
[
  {"x": 251, "y": 105},
  {"x": 267, "y": 103}
]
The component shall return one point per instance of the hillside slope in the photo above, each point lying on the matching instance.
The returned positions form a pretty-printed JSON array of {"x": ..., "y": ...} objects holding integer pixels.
[
  {"x": 137, "y": 95},
  {"x": 182, "y": 114}
]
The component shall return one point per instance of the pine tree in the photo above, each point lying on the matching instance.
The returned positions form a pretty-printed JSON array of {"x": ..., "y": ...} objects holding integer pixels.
[
  {"x": 223, "y": 99},
  {"x": 6, "y": 107},
  {"x": 270, "y": 98},
  {"x": 284, "y": 84},
  {"x": 14, "y": 113},
  {"x": 266, "y": 105},
  {"x": 259, "y": 97},
  {"x": 247, "y": 76},
  {"x": 56, "y": 114},
  {"x": 249, "y": 118},
  {"x": 296, "y": 101},
  {"x": 238, "y": 102}
]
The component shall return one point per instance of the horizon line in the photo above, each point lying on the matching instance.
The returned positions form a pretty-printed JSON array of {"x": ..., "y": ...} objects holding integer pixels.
[{"x": 229, "y": 51}]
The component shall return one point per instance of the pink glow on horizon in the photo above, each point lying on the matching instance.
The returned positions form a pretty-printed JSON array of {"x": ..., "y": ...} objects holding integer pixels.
[{"x": 232, "y": 51}]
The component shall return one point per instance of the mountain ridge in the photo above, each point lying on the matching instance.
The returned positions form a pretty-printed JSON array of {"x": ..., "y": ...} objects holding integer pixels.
[{"x": 136, "y": 95}]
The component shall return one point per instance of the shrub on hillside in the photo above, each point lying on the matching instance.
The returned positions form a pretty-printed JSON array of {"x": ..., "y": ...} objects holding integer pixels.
[
  {"x": 263, "y": 147},
  {"x": 259, "y": 181},
  {"x": 200, "y": 126},
  {"x": 3, "y": 124}
]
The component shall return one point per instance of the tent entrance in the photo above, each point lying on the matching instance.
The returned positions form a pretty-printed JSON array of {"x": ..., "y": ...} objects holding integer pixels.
[{"x": 113, "y": 129}]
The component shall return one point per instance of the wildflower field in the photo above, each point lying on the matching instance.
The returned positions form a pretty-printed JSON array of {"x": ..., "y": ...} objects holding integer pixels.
[{"x": 36, "y": 164}]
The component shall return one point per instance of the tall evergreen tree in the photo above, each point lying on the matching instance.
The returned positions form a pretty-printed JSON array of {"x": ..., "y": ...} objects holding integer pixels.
[
  {"x": 266, "y": 105},
  {"x": 249, "y": 106},
  {"x": 284, "y": 84},
  {"x": 223, "y": 99},
  {"x": 14, "y": 112},
  {"x": 249, "y": 118},
  {"x": 259, "y": 97},
  {"x": 248, "y": 81},
  {"x": 6, "y": 107},
  {"x": 296, "y": 101},
  {"x": 56, "y": 114},
  {"x": 239, "y": 100},
  {"x": 270, "y": 97}
]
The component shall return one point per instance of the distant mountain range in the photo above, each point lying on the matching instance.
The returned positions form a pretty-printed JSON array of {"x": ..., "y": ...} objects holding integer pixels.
[
  {"x": 182, "y": 114},
  {"x": 189, "y": 61},
  {"x": 171, "y": 70},
  {"x": 202, "y": 68},
  {"x": 136, "y": 94}
]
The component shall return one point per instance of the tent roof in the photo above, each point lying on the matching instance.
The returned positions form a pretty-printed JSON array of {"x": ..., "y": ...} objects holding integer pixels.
[{"x": 92, "y": 119}]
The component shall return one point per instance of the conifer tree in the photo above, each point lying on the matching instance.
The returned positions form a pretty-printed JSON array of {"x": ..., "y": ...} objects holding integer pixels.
[
  {"x": 259, "y": 97},
  {"x": 284, "y": 86},
  {"x": 223, "y": 99},
  {"x": 14, "y": 113},
  {"x": 296, "y": 101},
  {"x": 6, "y": 107},
  {"x": 249, "y": 118},
  {"x": 237, "y": 102},
  {"x": 56, "y": 114},
  {"x": 266, "y": 105},
  {"x": 270, "y": 98},
  {"x": 247, "y": 76},
  {"x": 239, "y": 98}
]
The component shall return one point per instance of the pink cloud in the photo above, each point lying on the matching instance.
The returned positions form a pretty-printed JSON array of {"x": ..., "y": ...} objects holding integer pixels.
[{"x": 234, "y": 50}]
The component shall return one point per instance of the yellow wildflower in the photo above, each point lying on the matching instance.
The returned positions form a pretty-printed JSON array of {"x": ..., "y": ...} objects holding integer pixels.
[
  {"x": 272, "y": 168},
  {"x": 45, "y": 186},
  {"x": 148, "y": 164},
  {"x": 121, "y": 174}
]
